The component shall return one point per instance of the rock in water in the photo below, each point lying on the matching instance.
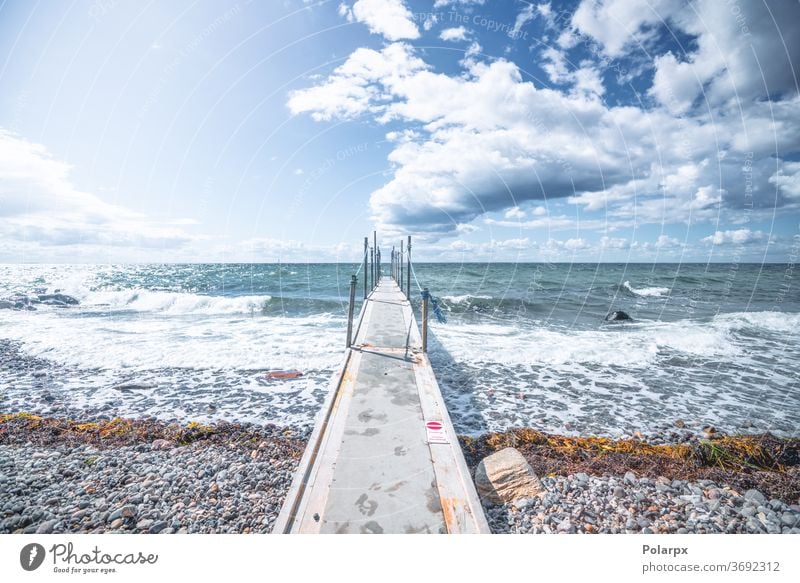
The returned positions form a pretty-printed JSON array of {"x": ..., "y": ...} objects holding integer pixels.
[
  {"x": 6, "y": 305},
  {"x": 618, "y": 316},
  {"x": 506, "y": 476},
  {"x": 63, "y": 298}
]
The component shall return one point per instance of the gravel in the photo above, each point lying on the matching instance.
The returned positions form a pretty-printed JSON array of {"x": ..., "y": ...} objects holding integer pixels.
[
  {"x": 197, "y": 488},
  {"x": 577, "y": 504}
]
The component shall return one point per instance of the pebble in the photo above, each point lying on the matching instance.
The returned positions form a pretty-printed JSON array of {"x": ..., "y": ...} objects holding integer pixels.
[
  {"x": 139, "y": 488},
  {"x": 599, "y": 504}
]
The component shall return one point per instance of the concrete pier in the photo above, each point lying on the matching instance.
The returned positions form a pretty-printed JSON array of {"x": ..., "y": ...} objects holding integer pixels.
[{"x": 383, "y": 457}]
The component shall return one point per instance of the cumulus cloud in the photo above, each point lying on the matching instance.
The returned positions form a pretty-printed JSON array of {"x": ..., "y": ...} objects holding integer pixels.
[
  {"x": 390, "y": 18},
  {"x": 458, "y": 33},
  {"x": 488, "y": 140},
  {"x": 40, "y": 206},
  {"x": 515, "y": 213},
  {"x": 736, "y": 237},
  {"x": 667, "y": 242}
]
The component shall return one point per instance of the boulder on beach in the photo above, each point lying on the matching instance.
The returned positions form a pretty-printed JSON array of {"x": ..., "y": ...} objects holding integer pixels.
[
  {"x": 6, "y": 305},
  {"x": 506, "y": 476},
  {"x": 617, "y": 316}
]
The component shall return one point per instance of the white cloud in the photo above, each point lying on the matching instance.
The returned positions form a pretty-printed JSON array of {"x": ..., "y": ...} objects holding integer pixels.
[
  {"x": 458, "y": 33},
  {"x": 443, "y": 3},
  {"x": 487, "y": 140},
  {"x": 523, "y": 17},
  {"x": 667, "y": 242},
  {"x": 614, "y": 243},
  {"x": 737, "y": 237},
  {"x": 787, "y": 179},
  {"x": 515, "y": 213},
  {"x": 390, "y": 18},
  {"x": 617, "y": 24},
  {"x": 359, "y": 85},
  {"x": 41, "y": 208}
]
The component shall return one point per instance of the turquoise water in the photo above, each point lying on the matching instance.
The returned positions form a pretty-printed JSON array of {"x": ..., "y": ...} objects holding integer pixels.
[{"x": 525, "y": 344}]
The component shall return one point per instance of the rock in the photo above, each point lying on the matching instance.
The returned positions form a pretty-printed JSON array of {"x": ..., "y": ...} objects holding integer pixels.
[
  {"x": 6, "y": 305},
  {"x": 157, "y": 527},
  {"x": 617, "y": 316},
  {"x": 680, "y": 424},
  {"x": 506, "y": 476},
  {"x": 61, "y": 298},
  {"x": 160, "y": 444},
  {"x": 619, "y": 492},
  {"x": 46, "y": 527},
  {"x": 756, "y": 497},
  {"x": 123, "y": 512},
  {"x": 566, "y": 526},
  {"x": 144, "y": 524},
  {"x": 709, "y": 431},
  {"x": 790, "y": 519},
  {"x": 630, "y": 478}
]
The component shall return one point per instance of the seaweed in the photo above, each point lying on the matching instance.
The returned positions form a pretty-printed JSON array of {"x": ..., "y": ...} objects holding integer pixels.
[{"x": 763, "y": 461}]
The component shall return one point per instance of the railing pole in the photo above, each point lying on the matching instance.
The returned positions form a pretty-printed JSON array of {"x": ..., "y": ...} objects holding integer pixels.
[
  {"x": 374, "y": 264},
  {"x": 372, "y": 267},
  {"x": 366, "y": 250},
  {"x": 408, "y": 271},
  {"x": 401, "y": 265},
  {"x": 353, "y": 281},
  {"x": 425, "y": 296}
]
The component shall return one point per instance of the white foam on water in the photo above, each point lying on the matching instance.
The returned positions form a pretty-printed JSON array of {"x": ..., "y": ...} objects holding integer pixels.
[
  {"x": 629, "y": 345},
  {"x": 464, "y": 298},
  {"x": 141, "y": 300},
  {"x": 656, "y": 292},
  {"x": 155, "y": 341},
  {"x": 772, "y": 321}
]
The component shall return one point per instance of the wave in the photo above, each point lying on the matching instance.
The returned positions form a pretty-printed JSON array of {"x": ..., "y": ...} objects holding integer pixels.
[
  {"x": 655, "y": 292},
  {"x": 464, "y": 298},
  {"x": 772, "y": 321},
  {"x": 174, "y": 303},
  {"x": 634, "y": 346}
]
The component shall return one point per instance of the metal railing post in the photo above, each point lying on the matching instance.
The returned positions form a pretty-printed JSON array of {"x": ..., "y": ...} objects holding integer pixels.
[
  {"x": 378, "y": 265},
  {"x": 401, "y": 265},
  {"x": 353, "y": 281},
  {"x": 375, "y": 256},
  {"x": 366, "y": 249},
  {"x": 408, "y": 271},
  {"x": 372, "y": 267},
  {"x": 425, "y": 296}
]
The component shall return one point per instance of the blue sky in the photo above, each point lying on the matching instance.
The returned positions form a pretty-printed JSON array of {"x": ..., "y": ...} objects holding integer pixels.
[{"x": 616, "y": 130}]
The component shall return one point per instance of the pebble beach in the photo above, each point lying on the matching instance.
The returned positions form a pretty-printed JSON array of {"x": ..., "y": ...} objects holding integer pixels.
[{"x": 61, "y": 476}]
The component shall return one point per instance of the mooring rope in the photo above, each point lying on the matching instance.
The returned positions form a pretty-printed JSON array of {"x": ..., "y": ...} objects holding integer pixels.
[
  {"x": 361, "y": 263},
  {"x": 437, "y": 309}
]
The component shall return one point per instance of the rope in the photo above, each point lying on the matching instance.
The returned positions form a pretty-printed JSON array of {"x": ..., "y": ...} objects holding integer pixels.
[
  {"x": 361, "y": 264},
  {"x": 414, "y": 273},
  {"x": 426, "y": 295}
]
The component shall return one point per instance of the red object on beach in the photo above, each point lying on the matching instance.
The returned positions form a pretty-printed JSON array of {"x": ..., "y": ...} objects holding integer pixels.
[
  {"x": 282, "y": 375},
  {"x": 433, "y": 425}
]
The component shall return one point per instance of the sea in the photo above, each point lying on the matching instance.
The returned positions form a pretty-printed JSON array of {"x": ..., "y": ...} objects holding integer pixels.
[{"x": 523, "y": 345}]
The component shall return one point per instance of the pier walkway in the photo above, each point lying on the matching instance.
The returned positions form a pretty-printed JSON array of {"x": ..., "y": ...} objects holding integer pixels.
[{"x": 383, "y": 457}]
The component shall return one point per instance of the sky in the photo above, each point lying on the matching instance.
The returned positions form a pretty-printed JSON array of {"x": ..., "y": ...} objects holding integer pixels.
[{"x": 585, "y": 130}]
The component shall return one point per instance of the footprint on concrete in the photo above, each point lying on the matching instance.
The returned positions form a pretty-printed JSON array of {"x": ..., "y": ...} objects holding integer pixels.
[{"x": 366, "y": 506}]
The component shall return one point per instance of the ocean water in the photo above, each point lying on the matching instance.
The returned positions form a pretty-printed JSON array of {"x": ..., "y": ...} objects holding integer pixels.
[{"x": 524, "y": 344}]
